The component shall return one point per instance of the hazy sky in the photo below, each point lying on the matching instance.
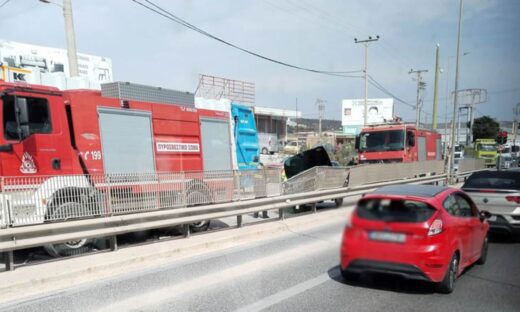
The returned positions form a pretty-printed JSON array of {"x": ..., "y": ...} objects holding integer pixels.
[{"x": 147, "y": 48}]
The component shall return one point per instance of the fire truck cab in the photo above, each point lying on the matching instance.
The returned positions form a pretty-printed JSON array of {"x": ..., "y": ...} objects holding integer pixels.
[{"x": 397, "y": 142}]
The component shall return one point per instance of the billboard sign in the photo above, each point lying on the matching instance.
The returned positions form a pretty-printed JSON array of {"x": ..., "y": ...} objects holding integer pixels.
[
  {"x": 379, "y": 110},
  {"x": 20, "y": 62}
]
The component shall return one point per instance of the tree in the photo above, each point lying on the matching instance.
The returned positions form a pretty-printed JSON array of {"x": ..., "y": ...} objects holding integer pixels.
[{"x": 485, "y": 127}]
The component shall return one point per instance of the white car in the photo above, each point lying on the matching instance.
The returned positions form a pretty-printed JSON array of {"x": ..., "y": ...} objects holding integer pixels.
[{"x": 499, "y": 193}]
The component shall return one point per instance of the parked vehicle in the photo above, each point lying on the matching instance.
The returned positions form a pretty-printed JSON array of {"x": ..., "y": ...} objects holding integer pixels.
[
  {"x": 268, "y": 143},
  {"x": 69, "y": 142},
  {"x": 397, "y": 142},
  {"x": 486, "y": 149},
  {"x": 292, "y": 147},
  {"x": 421, "y": 232},
  {"x": 499, "y": 193}
]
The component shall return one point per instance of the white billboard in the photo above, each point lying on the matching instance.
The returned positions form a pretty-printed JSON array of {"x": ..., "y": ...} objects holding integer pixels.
[
  {"x": 50, "y": 66},
  {"x": 353, "y": 111}
]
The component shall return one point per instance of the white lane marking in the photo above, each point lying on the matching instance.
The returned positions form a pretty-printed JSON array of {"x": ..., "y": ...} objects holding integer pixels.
[
  {"x": 285, "y": 294},
  {"x": 148, "y": 299}
]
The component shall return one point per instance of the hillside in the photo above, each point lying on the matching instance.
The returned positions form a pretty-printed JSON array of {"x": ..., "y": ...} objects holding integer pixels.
[{"x": 308, "y": 124}]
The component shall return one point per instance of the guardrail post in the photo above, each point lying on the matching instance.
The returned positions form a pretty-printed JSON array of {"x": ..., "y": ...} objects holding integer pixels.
[
  {"x": 239, "y": 221},
  {"x": 5, "y": 210},
  {"x": 113, "y": 243},
  {"x": 313, "y": 207},
  {"x": 110, "y": 209},
  {"x": 281, "y": 214},
  {"x": 186, "y": 230},
  {"x": 9, "y": 260}
]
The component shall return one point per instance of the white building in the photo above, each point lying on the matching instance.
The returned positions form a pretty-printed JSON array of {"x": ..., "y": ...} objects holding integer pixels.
[
  {"x": 353, "y": 112},
  {"x": 20, "y": 62}
]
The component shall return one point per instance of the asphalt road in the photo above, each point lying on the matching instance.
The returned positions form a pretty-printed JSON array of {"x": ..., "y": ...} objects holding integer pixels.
[{"x": 298, "y": 272}]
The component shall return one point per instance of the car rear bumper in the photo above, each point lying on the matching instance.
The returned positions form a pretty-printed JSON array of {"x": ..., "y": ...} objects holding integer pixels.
[
  {"x": 426, "y": 262},
  {"x": 405, "y": 270},
  {"x": 502, "y": 226}
]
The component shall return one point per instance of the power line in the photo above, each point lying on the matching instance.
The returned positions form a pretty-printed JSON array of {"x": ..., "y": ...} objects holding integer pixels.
[
  {"x": 330, "y": 20},
  {"x": 381, "y": 88},
  {"x": 5, "y": 2},
  {"x": 158, "y": 10}
]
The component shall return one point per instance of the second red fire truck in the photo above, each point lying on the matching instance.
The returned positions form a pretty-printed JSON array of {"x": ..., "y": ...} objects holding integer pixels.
[{"x": 397, "y": 142}]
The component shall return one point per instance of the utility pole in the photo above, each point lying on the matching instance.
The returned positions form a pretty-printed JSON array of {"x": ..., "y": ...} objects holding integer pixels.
[
  {"x": 436, "y": 89},
  {"x": 420, "y": 86},
  {"x": 321, "y": 110},
  {"x": 446, "y": 109},
  {"x": 297, "y": 128},
  {"x": 516, "y": 110},
  {"x": 455, "y": 100},
  {"x": 70, "y": 35},
  {"x": 365, "y": 43}
]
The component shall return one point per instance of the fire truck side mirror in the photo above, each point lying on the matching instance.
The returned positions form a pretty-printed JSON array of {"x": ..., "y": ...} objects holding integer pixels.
[
  {"x": 356, "y": 144},
  {"x": 411, "y": 138},
  {"x": 22, "y": 112}
]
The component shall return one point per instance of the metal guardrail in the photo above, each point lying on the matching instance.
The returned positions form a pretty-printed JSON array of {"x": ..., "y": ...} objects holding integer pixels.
[{"x": 16, "y": 238}]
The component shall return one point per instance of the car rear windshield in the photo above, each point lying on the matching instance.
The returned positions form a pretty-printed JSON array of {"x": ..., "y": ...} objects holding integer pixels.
[
  {"x": 394, "y": 210},
  {"x": 500, "y": 180}
]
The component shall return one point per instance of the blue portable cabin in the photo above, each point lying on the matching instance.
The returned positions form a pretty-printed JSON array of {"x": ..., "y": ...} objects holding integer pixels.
[{"x": 246, "y": 137}]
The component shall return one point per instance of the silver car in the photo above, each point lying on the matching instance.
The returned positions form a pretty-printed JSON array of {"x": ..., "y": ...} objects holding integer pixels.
[{"x": 499, "y": 193}]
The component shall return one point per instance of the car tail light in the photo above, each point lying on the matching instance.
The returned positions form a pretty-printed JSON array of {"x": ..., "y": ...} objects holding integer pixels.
[
  {"x": 435, "y": 228},
  {"x": 515, "y": 199}
]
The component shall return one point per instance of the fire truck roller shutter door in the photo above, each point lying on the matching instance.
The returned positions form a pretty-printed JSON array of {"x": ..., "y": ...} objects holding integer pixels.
[
  {"x": 126, "y": 140},
  {"x": 216, "y": 144},
  {"x": 421, "y": 148}
]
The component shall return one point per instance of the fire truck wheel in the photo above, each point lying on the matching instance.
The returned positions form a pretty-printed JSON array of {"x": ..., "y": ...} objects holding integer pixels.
[
  {"x": 199, "y": 226},
  {"x": 199, "y": 197},
  {"x": 63, "y": 212}
]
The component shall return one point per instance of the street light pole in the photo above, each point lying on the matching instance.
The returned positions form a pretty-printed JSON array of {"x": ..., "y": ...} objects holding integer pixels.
[
  {"x": 515, "y": 125},
  {"x": 455, "y": 100},
  {"x": 420, "y": 85},
  {"x": 70, "y": 35},
  {"x": 365, "y": 43}
]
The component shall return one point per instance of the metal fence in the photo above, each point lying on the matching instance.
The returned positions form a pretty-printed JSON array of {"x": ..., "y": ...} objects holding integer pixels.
[
  {"x": 315, "y": 179},
  {"x": 39, "y": 199}
]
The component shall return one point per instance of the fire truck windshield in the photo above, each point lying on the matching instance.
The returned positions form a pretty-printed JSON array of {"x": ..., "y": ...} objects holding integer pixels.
[
  {"x": 487, "y": 147},
  {"x": 391, "y": 140}
]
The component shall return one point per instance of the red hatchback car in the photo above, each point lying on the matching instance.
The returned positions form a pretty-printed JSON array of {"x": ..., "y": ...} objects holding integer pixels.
[{"x": 416, "y": 231}]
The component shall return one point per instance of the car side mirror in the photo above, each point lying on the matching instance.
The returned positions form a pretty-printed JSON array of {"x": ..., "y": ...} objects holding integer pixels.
[{"x": 483, "y": 214}]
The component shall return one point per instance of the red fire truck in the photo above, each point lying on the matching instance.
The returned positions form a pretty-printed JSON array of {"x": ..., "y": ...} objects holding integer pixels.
[
  {"x": 397, "y": 142},
  {"x": 60, "y": 149}
]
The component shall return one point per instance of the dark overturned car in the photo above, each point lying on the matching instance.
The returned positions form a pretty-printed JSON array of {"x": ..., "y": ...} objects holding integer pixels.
[{"x": 312, "y": 170}]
